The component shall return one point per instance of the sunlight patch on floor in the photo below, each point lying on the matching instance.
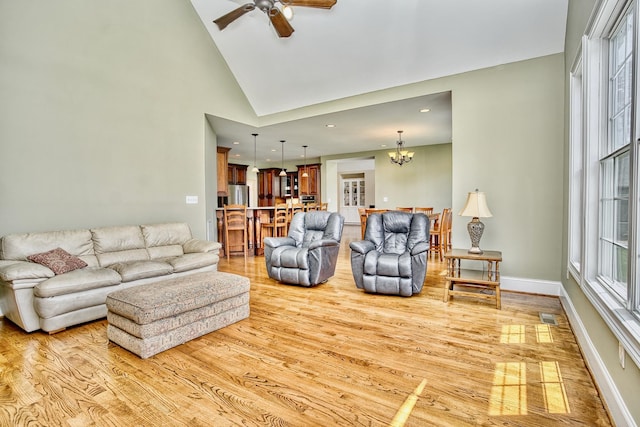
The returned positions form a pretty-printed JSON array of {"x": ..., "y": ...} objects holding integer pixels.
[
  {"x": 405, "y": 410},
  {"x": 509, "y": 390}
]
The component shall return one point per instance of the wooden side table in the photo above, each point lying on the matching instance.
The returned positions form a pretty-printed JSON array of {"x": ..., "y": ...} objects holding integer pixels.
[{"x": 469, "y": 282}]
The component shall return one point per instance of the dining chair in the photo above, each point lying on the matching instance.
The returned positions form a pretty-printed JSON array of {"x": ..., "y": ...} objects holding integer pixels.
[
  {"x": 410, "y": 210},
  {"x": 426, "y": 211}
]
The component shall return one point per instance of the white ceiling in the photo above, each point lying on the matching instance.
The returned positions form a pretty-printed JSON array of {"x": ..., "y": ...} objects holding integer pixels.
[{"x": 360, "y": 46}]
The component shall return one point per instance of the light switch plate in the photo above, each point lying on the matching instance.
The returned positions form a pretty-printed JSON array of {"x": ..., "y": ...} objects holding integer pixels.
[{"x": 192, "y": 200}]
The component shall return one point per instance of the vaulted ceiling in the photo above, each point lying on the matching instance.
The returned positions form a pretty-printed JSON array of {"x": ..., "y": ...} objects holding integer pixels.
[{"x": 363, "y": 46}]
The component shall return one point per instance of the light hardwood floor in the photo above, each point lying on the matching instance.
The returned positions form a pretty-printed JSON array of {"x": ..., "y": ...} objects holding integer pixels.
[{"x": 324, "y": 356}]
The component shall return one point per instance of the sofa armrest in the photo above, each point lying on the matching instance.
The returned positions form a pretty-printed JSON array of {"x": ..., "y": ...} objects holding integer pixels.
[
  {"x": 200, "y": 246},
  {"x": 362, "y": 246},
  {"x": 16, "y": 270}
]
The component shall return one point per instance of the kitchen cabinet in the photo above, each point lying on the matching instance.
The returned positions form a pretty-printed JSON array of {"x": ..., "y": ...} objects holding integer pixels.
[
  {"x": 269, "y": 187},
  {"x": 223, "y": 172},
  {"x": 237, "y": 174},
  {"x": 310, "y": 185}
]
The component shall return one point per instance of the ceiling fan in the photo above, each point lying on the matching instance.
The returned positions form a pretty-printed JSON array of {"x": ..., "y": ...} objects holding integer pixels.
[{"x": 275, "y": 13}]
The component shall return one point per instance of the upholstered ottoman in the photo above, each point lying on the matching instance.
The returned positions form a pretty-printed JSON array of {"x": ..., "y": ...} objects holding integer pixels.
[{"x": 154, "y": 317}]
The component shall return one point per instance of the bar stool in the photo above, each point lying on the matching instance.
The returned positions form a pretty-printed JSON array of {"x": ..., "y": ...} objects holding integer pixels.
[
  {"x": 440, "y": 235},
  {"x": 294, "y": 209},
  {"x": 235, "y": 219},
  {"x": 278, "y": 227},
  {"x": 310, "y": 207}
]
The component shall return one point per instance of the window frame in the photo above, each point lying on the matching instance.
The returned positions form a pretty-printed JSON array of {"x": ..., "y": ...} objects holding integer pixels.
[{"x": 589, "y": 128}]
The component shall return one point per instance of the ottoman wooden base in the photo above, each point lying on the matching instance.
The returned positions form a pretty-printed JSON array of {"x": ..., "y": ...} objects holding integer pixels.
[{"x": 151, "y": 318}]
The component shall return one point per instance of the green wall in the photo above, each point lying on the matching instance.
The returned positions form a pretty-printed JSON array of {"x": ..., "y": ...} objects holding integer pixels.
[
  {"x": 426, "y": 181},
  {"x": 102, "y": 113},
  {"x": 507, "y": 141}
]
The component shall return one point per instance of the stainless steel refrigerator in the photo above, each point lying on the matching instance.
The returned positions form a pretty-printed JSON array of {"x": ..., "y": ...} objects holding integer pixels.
[{"x": 238, "y": 195}]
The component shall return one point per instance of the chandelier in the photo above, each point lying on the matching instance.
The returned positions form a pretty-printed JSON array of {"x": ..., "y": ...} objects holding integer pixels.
[{"x": 401, "y": 155}]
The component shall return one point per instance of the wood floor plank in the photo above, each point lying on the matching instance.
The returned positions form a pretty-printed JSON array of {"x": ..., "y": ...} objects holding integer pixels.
[{"x": 324, "y": 356}]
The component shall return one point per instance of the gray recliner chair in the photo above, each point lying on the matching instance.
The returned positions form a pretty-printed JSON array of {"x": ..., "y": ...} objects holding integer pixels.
[
  {"x": 392, "y": 258},
  {"x": 309, "y": 253}
]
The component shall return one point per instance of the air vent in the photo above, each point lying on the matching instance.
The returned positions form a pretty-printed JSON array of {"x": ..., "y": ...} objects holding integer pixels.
[{"x": 548, "y": 319}]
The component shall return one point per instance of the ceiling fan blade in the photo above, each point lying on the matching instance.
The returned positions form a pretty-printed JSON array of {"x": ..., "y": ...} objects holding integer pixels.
[
  {"x": 321, "y": 4},
  {"x": 280, "y": 23},
  {"x": 227, "y": 19}
]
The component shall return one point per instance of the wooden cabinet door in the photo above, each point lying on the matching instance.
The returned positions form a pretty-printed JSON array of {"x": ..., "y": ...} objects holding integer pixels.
[
  {"x": 237, "y": 174},
  {"x": 223, "y": 171},
  {"x": 311, "y": 184},
  {"x": 241, "y": 175}
]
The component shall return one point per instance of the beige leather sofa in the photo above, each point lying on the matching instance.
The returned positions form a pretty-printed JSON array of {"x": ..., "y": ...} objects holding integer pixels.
[{"x": 34, "y": 297}]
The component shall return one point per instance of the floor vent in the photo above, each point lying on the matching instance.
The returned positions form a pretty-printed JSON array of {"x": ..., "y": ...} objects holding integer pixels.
[{"x": 548, "y": 319}]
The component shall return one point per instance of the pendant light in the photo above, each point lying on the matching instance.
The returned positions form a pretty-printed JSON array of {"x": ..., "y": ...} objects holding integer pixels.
[
  {"x": 283, "y": 172},
  {"x": 401, "y": 155},
  {"x": 305, "y": 174},
  {"x": 255, "y": 168}
]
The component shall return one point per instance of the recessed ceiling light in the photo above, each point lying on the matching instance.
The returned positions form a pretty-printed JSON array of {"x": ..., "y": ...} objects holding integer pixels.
[
  {"x": 237, "y": 155},
  {"x": 330, "y": 125},
  {"x": 383, "y": 145},
  {"x": 273, "y": 150},
  {"x": 236, "y": 143},
  {"x": 425, "y": 110}
]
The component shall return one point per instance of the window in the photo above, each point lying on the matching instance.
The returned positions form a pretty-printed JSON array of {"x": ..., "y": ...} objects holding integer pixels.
[{"x": 603, "y": 167}]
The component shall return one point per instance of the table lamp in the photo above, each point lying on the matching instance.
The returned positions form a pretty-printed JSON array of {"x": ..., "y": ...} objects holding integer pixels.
[{"x": 476, "y": 207}]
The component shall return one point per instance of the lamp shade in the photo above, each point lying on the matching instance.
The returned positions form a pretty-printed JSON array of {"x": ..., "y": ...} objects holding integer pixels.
[{"x": 476, "y": 206}]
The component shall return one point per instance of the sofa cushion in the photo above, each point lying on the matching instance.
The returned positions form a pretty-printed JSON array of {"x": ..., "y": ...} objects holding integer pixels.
[
  {"x": 58, "y": 260},
  {"x": 20, "y": 246},
  {"x": 173, "y": 233},
  {"x": 115, "y": 239},
  {"x": 192, "y": 261},
  {"x": 130, "y": 271},
  {"x": 77, "y": 281}
]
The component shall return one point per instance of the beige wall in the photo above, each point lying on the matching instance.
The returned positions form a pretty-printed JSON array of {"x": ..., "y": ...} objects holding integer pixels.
[
  {"x": 605, "y": 344},
  {"x": 102, "y": 113}
]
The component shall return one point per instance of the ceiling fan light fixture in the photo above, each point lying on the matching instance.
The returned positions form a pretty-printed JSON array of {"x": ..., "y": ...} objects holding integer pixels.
[
  {"x": 278, "y": 15},
  {"x": 287, "y": 11}
]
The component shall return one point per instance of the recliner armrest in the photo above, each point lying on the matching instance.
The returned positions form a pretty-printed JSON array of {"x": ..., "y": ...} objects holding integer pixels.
[
  {"x": 323, "y": 242},
  {"x": 419, "y": 248},
  {"x": 362, "y": 246},
  {"x": 274, "y": 242}
]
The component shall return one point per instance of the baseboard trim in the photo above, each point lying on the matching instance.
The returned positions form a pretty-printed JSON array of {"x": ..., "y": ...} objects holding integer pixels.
[
  {"x": 610, "y": 395},
  {"x": 530, "y": 286}
]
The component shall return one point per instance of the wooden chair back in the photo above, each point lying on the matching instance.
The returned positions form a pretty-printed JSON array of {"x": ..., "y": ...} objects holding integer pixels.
[
  {"x": 426, "y": 211},
  {"x": 234, "y": 220}
]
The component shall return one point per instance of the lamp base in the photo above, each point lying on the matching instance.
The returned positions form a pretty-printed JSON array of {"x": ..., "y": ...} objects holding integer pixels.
[{"x": 475, "y": 229}]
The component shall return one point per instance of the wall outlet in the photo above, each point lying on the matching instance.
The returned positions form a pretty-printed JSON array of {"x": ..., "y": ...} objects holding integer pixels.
[
  {"x": 385, "y": 199},
  {"x": 192, "y": 200}
]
